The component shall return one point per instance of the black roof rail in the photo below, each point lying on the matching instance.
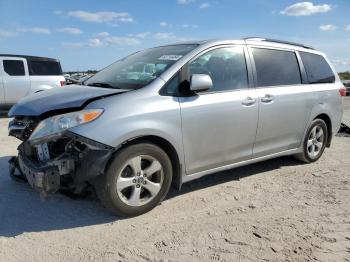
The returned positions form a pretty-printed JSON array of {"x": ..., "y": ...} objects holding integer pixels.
[
  {"x": 32, "y": 58},
  {"x": 277, "y": 41}
]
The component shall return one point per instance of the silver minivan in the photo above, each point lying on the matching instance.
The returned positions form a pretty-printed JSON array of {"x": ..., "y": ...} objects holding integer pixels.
[{"x": 171, "y": 114}]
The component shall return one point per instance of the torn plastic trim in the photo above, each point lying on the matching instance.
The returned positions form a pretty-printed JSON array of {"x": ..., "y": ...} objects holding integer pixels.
[
  {"x": 88, "y": 141},
  {"x": 66, "y": 133},
  {"x": 92, "y": 162},
  {"x": 75, "y": 165},
  {"x": 45, "y": 179}
]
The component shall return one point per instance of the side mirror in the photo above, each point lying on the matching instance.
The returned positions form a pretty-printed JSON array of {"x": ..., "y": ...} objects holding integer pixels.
[{"x": 200, "y": 82}]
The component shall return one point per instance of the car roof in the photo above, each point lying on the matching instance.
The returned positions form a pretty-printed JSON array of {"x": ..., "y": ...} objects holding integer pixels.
[
  {"x": 203, "y": 45},
  {"x": 255, "y": 41},
  {"x": 32, "y": 58}
]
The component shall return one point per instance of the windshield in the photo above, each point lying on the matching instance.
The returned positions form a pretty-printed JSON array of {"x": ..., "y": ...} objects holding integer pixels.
[{"x": 139, "y": 69}]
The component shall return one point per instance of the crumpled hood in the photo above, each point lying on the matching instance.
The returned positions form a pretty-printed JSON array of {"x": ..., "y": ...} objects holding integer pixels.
[{"x": 71, "y": 96}]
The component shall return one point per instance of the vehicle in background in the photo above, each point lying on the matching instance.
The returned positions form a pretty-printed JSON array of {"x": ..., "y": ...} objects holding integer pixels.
[
  {"x": 70, "y": 80},
  {"x": 171, "y": 114},
  {"x": 347, "y": 86},
  {"x": 84, "y": 78},
  {"x": 22, "y": 75}
]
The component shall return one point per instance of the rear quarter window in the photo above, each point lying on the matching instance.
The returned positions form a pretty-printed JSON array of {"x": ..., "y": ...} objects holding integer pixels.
[
  {"x": 276, "y": 67},
  {"x": 45, "y": 68},
  {"x": 317, "y": 69}
]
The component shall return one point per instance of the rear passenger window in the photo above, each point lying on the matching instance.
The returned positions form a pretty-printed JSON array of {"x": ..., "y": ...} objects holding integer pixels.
[
  {"x": 45, "y": 68},
  {"x": 14, "y": 67},
  {"x": 226, "y": 67},
  {"x": 276, "y": 67},
  {"x": 317, "y": 69}
]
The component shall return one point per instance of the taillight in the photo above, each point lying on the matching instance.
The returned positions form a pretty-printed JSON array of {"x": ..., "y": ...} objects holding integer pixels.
[
  {"x": 62, "y": 83},
  {"x": 342, "y": 91}
]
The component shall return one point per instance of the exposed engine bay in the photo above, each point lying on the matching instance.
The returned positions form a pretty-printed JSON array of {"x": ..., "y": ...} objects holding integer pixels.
[{"x": 64, "y": 161}]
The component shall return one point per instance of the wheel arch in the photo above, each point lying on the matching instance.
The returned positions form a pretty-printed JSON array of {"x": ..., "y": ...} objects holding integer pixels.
[
  {"x": 325, "y": 117},
  {"x": 166, "y": 146}
]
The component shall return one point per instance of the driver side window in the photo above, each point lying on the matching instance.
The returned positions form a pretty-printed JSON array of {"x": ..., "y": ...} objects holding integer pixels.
[{"x": 226, "y": 67}]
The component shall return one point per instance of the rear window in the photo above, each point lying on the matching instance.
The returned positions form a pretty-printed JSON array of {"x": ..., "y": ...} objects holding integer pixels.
[
  {"x": 317, "y": 69},
  {"x": 14, "y": 67},
  {"x": 45, "y": 68},
  {"x": 276, "y": 67}
]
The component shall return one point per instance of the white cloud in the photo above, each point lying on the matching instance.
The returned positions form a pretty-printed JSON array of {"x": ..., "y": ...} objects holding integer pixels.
[
  {"x": 347, "y": 28},
  {"x": 204, "y": 5},
  {"x": 95, "y": 42},
  {"x": 305, "y": 9},
  {"x": 163, "y": 36},
  {"x": 341, "y": 62},
  {"x": 163, "y": 24},
  {"x": 102, "y": 17},
  {"x": 142, "y": 35},
  {"x": 74, "y": 45},
  {"x": 105, "y": 41},
  {"x": 101, "y": 35},
  {"x": 36, "y": 30},
  {"x": 6, "y": 34},
  {"x": 70, "y": 30},
  {"x": 328, "y": 27},
  {"x": 184, "y": 2},
  {"x": 125, "y": 41},
  {"x": 189, "y": 26},
  {"x": 57, "y": 12}
]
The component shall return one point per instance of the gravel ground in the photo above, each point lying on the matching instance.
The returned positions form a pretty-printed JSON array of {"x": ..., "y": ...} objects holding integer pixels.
[{"x": 278, "y": 210}]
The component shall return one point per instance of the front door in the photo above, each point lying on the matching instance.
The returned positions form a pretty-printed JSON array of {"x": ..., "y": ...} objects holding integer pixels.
[{"x": 219, "y": 125}]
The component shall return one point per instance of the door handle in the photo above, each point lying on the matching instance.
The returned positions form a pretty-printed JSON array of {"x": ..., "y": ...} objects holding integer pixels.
[
  {"x": 267, "y": 98},
  {"x": 249, "y": 101}
]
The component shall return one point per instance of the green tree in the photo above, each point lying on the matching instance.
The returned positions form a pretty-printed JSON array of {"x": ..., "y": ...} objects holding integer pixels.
[{"x": 344, "y": 75}]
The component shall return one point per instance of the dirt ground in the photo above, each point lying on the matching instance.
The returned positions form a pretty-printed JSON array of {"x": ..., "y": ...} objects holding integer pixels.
[{"x": 278, "y": 210}]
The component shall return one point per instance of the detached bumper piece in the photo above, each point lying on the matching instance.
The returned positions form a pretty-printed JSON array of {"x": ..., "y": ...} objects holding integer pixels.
[
  {"x": 13, "y": 166},
  {"x": 45, "y": 179},
  {"x": 73, "y": 163}
]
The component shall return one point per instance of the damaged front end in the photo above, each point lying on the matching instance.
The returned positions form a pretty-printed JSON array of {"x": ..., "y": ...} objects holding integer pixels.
[{"x": 64, "y": 160}]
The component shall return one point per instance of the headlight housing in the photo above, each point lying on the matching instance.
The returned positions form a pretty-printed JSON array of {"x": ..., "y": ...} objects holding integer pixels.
[{"x": 57, "y": 124}]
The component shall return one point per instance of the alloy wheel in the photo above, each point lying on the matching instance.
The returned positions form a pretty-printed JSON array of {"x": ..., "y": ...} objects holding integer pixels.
[
  {"x": 315, "y": 141},
  {"x": 140, "y": 180}
]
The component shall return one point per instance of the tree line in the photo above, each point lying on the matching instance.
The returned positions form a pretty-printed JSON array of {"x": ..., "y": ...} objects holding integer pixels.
[{"x": 344, "y": 75}]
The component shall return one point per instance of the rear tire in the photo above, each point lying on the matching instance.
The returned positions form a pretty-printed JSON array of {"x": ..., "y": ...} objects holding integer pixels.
[
  {"x": 137, "y": 180},
  {"x": 314, "y": 142}
]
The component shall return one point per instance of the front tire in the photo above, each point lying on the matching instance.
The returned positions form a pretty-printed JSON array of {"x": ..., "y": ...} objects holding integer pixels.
[
  {"x": 315, "y": 142},
  {"x": 138, "y": 178}
]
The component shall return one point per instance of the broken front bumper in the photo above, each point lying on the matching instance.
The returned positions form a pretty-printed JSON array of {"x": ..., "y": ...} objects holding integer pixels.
[
  {"x": 42, "y": 178},
  {"x": 80, "y": 161}
]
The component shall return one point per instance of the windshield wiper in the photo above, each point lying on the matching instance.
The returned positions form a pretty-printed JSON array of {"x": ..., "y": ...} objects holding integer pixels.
[{"x": 100, "y": 84}]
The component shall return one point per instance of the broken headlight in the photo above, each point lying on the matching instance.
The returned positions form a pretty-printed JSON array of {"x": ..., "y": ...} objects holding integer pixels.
[{"x": 56, "y": 124}]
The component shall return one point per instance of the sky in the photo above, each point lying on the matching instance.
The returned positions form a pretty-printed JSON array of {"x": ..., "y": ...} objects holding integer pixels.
[{"x": 91, "y": 34}]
